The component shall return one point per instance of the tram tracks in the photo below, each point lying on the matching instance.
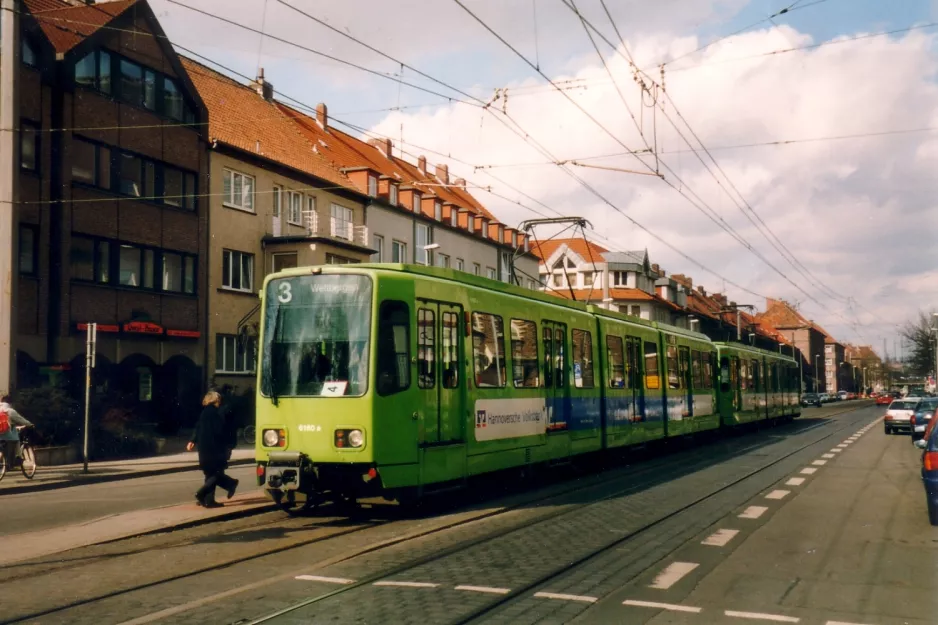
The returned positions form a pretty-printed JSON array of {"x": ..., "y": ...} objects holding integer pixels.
[{"x": 517, "y": 591}]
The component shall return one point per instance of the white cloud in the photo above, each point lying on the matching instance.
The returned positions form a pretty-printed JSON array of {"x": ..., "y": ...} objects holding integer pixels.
[{"x": 859, "y": 213}]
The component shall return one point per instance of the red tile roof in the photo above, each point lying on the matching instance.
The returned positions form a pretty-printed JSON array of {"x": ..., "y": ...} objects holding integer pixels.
[
  {"x": 239, "y": 117},
  {"x": 580, "y": 247},
  {"x": 66, "y": 26}
]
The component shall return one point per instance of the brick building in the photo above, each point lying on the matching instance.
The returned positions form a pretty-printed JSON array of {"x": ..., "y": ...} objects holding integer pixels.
[
  {"x": 111, "y": 225},
  {"x": 805, "y": 335}
]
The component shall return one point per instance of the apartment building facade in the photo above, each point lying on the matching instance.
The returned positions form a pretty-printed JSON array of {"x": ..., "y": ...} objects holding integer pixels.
[{"x": 112, "y": 227}]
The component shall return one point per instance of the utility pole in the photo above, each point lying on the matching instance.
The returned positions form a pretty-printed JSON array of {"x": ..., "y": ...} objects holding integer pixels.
[
  {"x": 91, "y": 350},
  {"x": 9, "y": 176}
]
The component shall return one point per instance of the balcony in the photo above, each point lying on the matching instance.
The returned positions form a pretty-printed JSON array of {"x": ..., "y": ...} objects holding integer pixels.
[{"x": 313, "y": 226}]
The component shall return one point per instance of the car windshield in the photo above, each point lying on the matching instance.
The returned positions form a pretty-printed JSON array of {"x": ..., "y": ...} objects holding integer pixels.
[
  {"x": 902, "y": 405},
  {"x": 316, "y": 331},
  {"x": 928, "y": 404}
]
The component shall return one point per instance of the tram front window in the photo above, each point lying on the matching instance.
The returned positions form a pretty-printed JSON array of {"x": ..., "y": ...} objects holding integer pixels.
[{"x": 316, "y": 332}]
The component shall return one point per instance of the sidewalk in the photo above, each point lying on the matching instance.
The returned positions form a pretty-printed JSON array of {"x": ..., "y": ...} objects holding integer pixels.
[{"x": 65, "y": 476}]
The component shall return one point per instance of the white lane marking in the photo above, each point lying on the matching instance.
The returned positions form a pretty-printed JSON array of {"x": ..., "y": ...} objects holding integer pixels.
[
  {"x": 563, "y": 597},
  {"x": 719, "y": 538},
  {"x": 407, "y": 584},
  {"x": 778, "y": 494},
  {"x": 819, "y": 463},
  {"x": 753, "y": 512},
  {"x": 328, "y": 580},
  {"x": 662, "y": 606},
  {"x": 778, "y": 618},
  {"x": 808, "y": 471},
  {"x": 836, "y": 450},
  {"x": 673, "y": 574},
  {"x": 795, "y": 481},
  {"x": 841, "y": 623},
  {"x": 488, "y": 589},
  {"x": 828, "y": 456},
  {"x": 842, "y": 446}
]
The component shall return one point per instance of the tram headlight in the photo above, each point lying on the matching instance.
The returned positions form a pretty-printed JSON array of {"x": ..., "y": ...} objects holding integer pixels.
[
  {"x": 271, "y": 438},
  {"x": 356, "y": 438}
]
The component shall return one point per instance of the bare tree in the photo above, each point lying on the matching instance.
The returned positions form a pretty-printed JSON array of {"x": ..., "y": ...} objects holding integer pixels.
[{"x": 921, "y": 335}]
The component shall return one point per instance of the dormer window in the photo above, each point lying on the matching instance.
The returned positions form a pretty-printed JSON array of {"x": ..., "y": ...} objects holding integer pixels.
[
  {"x": 454, "y": 217},
  {"x": 416, "y": 202},
  {"x": 392, "y": 194},
  {"x": 372, "y": 186},
  {"x": 485, "y": 229},
  {"x": 438, "y": 211},
  {"x": 471, "y": 223},
  {"x": 501, "y": 234}
]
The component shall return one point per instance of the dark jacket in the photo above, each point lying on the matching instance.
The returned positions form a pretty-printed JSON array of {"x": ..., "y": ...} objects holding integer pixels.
[{"x": 211, "y": 438}]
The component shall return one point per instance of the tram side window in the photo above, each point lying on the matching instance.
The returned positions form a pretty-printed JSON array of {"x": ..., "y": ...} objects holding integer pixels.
[
  {"x": 616, "y": 360},
  {"x": 393, "y": 347},
  {"x": 582, "y": 359},
  {"x": 633, "y": 363},
  {"x": 548, "y": 357},
  {"x": 560, "y": 366},
  {"x": 707, "y": 370},
  {"x": 426, "y": 348},
  {"x": 651, "y": 365},
  {"x": 696, "y": 370},
  {"x": 744, "y": 379},
  {"x": 524, "y": 353},
  {"x": 754, "y": 381},
  {"x": 488, "y": 351},
  {"x": 674, "y": 378},
  {"x": 450, "y": 350}
]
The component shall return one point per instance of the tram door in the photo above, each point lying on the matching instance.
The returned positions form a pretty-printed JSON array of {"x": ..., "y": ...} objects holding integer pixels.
[
  {"x": 440, "y": 349},
  {"x": 634, "y": 378},
  {"x": 684, "y": 355},
  {"x": 556, "y": 380}
]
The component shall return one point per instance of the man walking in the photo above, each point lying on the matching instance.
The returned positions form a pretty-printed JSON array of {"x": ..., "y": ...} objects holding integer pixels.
[{"x": 212, "y": 439}]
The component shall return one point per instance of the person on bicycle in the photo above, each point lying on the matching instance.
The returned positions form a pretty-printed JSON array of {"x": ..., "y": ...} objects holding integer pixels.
[{"x": 13, "y": 420}]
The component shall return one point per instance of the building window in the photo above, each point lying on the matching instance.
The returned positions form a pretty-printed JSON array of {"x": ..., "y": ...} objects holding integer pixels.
[
  {"x": 27, "y": 250},
  {"x": 335, "y": 259},
  {"x": 620, "y": 278},
  {"x": 442, "y": 260},
  {"x": 179, "y": 273},
  {"x": 506, "y": 267},
  {"x": 485, "y": 229},
  {"x": 378, "y": 244},
  {"x": 28, "y": 53},
  {"x": 29, "y": 146},
  {"x": 392, "y": 194},
  {"x": 532, "y": 284},
  {"x": 476, "y": 269},
  {"x": 178, "y": 188},
  {"x": 454, "y": 217},
  {"x": 438, "y": 211},
  {"x": 421, "y": 254},
  {"x": 279, "y": 262},
  {"x": 131, "y": 82},
  {"x": 342, "y": 223},
  {"x": 237, "y": 271},
  {"x": 372, "y": 186},
  {"x": 238, "y": 190},
  {"x": 94, "y": 71},
  {"x": 471, "y": 222},
  {"x": 130, "y": 266},
  {"x": 398, "y": 252},
  {"x": 233, "y": 355},
  {"x": 488, "y": 350},
  {"x": 635, "y": 311},
  {"x": 490, "y": 272},
  {"x": 136, "y": 267},
  {"x": 416, "y": 202},
  {"x": 294, "y": 208},
  {"x": 460, "y": 264},
  {"x": 84, "y": 156},
  {"x": 82, "y": 259},
  {"x": 173, "y": 105}
]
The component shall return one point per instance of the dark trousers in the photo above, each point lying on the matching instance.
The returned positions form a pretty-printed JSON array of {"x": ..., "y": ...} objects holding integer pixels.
[{"x": 215, "y": 477}]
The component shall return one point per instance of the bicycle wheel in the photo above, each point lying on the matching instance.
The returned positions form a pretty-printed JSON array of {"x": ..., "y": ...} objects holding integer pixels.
[
  {"x": 249, "y": 434},
  {"x": 3, "y": 464},
  {"x": 29, "y": 462}
]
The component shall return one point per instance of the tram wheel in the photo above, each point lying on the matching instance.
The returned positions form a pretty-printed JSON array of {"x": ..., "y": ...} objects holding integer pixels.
[{"x": 288, "y": 503}]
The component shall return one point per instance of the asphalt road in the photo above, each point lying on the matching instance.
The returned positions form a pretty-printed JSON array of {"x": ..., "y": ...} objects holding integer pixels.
[{"x": 30, "y": 512}]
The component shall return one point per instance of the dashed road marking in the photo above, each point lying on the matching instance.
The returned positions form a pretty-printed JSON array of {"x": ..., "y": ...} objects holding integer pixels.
[
  {"x": 841, "y": 623},
  {"x": 828, "y": 456},
  {"x": 327, "y": 580},
  {"x": 819, "y": 463},
  {"x": 662, "y": 606},
  {"x": 488, "y": 589},
  {"x": 808, "y": 471},
  {"x": 672, "y": 574},
  {"x": 842, "y": 446},
  {"x": 795, "y": 481},
  {"x": 753, "y": 512},
  {"x": 563, "y": 597},
  {"x": 836, "y": 450},
  {"x": 778, "y": 494},
  {"x": 407, "y": 584},
  {"x": 719, "y": 538},
  {"x": 778, "y": 618}
]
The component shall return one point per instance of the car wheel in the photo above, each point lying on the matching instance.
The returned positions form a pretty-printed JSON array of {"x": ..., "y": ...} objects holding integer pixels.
[{"x": 887, "y": 431}]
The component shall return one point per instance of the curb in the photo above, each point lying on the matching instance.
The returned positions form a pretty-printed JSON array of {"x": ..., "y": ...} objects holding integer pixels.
[{"x": 98, "y": 479}]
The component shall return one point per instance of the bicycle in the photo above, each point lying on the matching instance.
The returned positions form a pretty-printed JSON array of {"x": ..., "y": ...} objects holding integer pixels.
[{"x": 27, "y": 461}]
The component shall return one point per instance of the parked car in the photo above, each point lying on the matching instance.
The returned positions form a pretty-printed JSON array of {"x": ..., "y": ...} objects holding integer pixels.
[
  {"x": 929, "y": 447},
  {"x": 883, "y": 400},
  {"x": 826, "y": 398},
  {"x": 923, "y": 414},
  {"x": 899, "y": 415},
  {"x": 811, "y": 399}
]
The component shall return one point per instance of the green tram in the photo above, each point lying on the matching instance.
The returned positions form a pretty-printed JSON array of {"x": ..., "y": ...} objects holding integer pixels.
[{"x": 398, "y": 380}]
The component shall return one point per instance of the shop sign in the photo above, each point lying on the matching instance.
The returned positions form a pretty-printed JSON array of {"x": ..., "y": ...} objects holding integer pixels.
[
  {"x": 143, "y": 327},
  {"x": 184, "y": 334}
]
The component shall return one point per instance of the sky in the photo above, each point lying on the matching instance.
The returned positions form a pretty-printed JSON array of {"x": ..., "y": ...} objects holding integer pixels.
[{"x": 840, "y": 219}]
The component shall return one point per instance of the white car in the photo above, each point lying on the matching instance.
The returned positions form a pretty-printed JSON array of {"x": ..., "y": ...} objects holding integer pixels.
[{"x": 899, "y": 415}]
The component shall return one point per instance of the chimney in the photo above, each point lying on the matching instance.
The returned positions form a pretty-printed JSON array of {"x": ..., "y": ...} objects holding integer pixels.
[
  {"x": 262, "y": 87},
  {"x": 384, "y": 146},
  {"x": 460, "y": 182},
  {"x": 442, "y": 172},
  {"x": 655, "y": 268},
  {"x": 701, "y": 290},
  {"x": 322, "y": 115},
  {"x": 422, "y": 164}
]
